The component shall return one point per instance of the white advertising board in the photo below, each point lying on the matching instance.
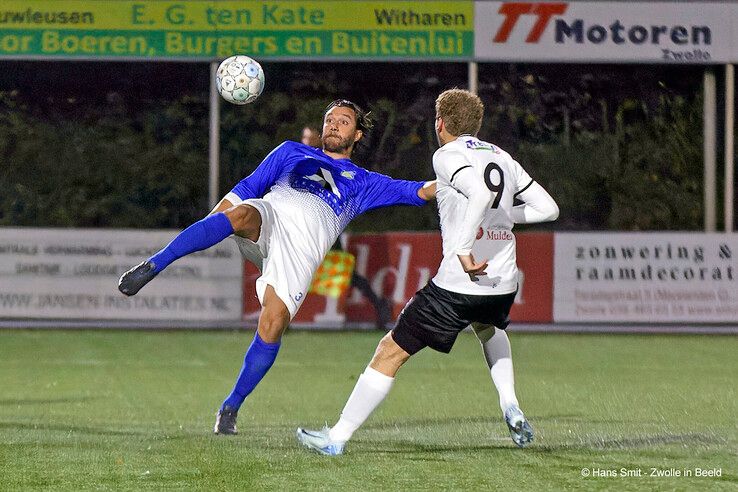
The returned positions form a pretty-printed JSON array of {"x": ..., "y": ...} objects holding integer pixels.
[
  {"x": 639, "y": 32},
  {"x": 645, "y": 277},
  {"x": 73, "y": 274}
]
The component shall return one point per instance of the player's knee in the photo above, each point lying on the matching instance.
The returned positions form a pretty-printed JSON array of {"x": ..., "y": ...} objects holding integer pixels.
[
  {"x": 389, "y": 357},
  {"x": 245, "y": 220},
  {"x": 272, "y": 324},
  {"x": 484, "y": 332},
  {"x": 389, "y": 351},
  {"x": 271, "y": 333}
]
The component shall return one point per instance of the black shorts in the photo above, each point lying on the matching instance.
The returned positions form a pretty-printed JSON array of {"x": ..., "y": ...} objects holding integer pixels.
[{"x": 434, "y": 317}]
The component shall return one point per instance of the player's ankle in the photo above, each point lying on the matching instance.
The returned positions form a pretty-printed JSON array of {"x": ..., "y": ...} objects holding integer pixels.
[{"x": 341, "y": 432}]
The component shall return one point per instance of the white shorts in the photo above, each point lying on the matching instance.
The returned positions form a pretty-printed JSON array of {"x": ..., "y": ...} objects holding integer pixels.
[{"x": 282, "y": 266}]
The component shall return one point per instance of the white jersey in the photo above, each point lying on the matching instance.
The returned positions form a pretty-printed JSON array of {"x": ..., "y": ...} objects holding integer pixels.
[{"x": 481, "y": 224}]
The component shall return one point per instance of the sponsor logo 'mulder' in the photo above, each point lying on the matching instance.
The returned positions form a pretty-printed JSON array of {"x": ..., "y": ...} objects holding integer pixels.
[{"x": 579, "y": 32}]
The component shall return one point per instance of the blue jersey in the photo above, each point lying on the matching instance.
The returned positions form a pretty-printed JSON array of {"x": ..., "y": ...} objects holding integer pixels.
[
  {"x": 314, "y": 197},
  {"x": 347, "y": 189}
]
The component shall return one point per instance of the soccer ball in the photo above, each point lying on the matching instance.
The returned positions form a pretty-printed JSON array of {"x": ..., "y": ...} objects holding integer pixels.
[{"x": 239, "y": 79}]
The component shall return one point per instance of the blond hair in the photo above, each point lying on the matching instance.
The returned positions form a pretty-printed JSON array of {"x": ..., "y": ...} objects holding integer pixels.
[{"x": 461, "y": 111}]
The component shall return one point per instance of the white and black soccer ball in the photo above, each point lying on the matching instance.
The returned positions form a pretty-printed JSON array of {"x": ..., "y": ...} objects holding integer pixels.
[{"x": 240, "y": 79}]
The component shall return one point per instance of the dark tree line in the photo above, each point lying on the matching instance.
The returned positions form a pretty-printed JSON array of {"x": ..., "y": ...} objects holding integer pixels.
[{"x": 125, "y": 145}]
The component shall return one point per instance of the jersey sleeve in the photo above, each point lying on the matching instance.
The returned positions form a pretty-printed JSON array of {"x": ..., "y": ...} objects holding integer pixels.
[
  {"x": 383, "y": 191},
  {"x": 256, "y": 184},
  {"x": 538, "y": 206},
  {"x": 449, "y": 164},
  {"x": 522, "y": 178},
  {"x": 455, "y": 169}
]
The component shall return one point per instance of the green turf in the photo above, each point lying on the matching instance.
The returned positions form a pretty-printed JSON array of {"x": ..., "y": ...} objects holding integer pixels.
[{"x": 134, "y": 410}]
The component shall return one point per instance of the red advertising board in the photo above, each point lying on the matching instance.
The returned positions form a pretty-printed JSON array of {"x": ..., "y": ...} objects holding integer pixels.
[
  {"x": 534, "y": 302},
  {"x": 395, "y": 265}
]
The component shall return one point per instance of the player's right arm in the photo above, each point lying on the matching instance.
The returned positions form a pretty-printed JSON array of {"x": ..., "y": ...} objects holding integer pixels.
[
  {"x": 455, "y": 169},
  {"x": 256, "y": 184},
  {"x": 223, "y": 205}
]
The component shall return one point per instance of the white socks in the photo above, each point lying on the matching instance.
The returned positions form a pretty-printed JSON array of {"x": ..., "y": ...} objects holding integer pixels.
[
  {"x": 497, "y": 352},
  {"x": 502, "y": 376},
  {"x": 371, "y": 388}
]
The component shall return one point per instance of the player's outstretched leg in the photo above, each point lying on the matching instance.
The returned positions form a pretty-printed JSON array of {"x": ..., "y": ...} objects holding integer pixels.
[
  {"x": 201, "y": 235},
  {"x": 135, "y": 278},
  {"x": 498, "y": 354},
  {"x": 371, "y": 389},
  {"x": 258, "y": 360}
]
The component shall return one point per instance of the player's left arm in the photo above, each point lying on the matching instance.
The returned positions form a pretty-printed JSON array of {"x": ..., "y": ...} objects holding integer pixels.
[
  {"x": 428, "y": 191},
  {"x": 538, "y": 206},
  {"x": 383, "y": 191}
]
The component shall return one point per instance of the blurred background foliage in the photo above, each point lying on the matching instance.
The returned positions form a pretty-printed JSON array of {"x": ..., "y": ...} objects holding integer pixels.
[{"x": 125, "y": 145}]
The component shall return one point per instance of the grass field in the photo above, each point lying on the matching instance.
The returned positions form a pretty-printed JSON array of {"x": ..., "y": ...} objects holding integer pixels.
[{"x": 134, "y": 410}]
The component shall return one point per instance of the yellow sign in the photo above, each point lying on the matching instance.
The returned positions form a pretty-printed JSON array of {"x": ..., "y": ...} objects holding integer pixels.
[{"x": 211, "y": 29}]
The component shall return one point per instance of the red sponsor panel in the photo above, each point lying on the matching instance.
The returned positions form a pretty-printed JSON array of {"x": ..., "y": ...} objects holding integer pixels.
[
  {"x": 396, "y": 265},
  {"x": 534, "y": 301}
]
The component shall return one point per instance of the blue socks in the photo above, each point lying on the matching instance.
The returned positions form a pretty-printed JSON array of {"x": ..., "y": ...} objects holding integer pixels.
[
  {"x": 257, "y": 362},
  {"x": 201, "y": 235}
]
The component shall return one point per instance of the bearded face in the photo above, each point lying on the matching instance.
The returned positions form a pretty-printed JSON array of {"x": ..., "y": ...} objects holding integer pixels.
[
  {"x": 334, "y": 142},
  {"x": 339, "y": 130}
]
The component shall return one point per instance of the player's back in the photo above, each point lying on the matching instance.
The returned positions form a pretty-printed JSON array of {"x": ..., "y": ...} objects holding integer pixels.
[{"x": 505, "y": 178}]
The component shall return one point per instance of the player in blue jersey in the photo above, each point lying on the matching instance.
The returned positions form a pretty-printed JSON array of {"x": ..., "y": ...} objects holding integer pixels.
[{"x": 285, "y": 216}]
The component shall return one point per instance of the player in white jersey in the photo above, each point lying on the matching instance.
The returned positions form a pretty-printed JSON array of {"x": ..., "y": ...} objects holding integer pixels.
[{"x": 477, "y": 187}]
